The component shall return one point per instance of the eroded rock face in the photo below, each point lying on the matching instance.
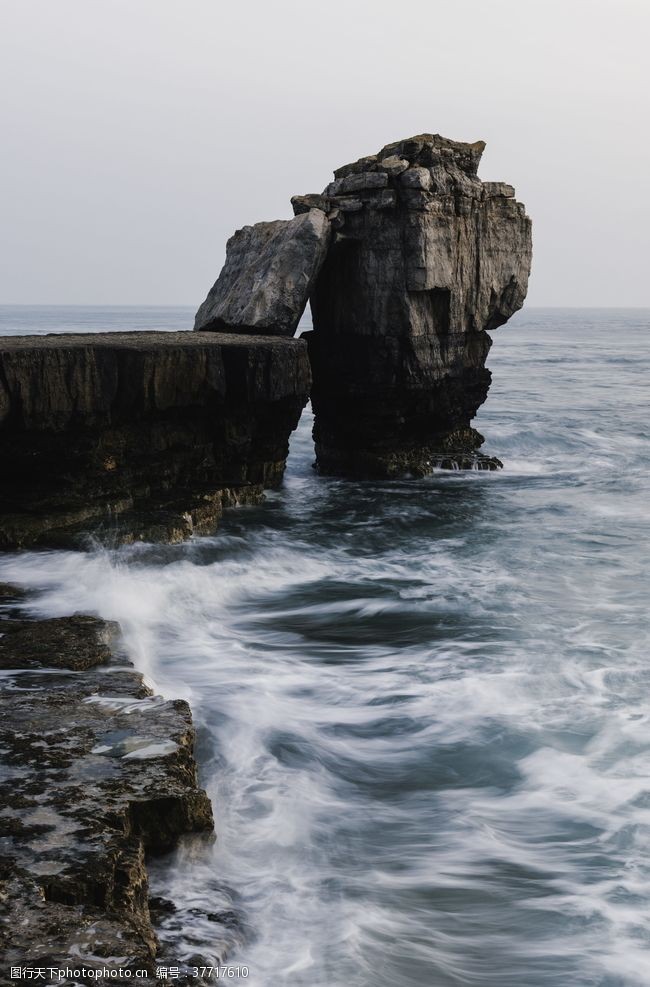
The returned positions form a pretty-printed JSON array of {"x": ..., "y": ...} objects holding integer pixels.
[
  {"x": 424, "y": 260},
  {"x": 97, "y": 772},
  {"x": 141, "y": 435},
  {"x": 267, "y": 278}
]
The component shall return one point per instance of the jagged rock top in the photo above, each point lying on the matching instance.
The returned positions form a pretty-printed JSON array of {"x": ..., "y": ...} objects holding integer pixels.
[
  {"x": 414, "y": 172},
  {"x": 421, "y": 198},
  {"x": 424, "y": 149}
]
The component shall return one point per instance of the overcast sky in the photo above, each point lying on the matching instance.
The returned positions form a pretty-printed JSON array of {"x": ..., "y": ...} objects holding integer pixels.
[{"x": 138, "y": 134}]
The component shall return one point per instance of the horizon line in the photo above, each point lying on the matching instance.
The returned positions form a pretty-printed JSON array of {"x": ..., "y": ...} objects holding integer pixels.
[{"x": 193, "y": 305}]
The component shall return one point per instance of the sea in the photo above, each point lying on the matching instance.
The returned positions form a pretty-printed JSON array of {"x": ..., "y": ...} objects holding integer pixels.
[{"x": 423, "y": 705}]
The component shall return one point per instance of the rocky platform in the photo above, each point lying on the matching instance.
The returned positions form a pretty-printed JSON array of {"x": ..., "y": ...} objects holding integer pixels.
[
  {"x": 141, "y": 435},
  {"x": 96, "y": 773}
]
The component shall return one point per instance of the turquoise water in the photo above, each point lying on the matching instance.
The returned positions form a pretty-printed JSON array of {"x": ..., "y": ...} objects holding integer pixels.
[{"x": 423, "y": 705}]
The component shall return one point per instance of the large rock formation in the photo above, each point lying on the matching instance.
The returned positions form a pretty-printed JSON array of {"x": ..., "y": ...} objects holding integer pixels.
[
  {"x": 98, "y": 772},
  {"x": 149, "y": 434},
  {"x": 408, "y": 260},
  {"x": 425, "y": 258},
  {"x": 269, "y": 272}
]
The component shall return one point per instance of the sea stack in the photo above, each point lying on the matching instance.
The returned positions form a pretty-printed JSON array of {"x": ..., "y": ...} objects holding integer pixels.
[
  {"x": 408, "y": 260},
  {"x": 425, "y": 259}
]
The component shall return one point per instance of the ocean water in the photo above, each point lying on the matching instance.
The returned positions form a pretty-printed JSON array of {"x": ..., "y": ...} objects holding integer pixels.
[
  {"x": 423, "y": 705},
  {"x": 35, "y": 320}
]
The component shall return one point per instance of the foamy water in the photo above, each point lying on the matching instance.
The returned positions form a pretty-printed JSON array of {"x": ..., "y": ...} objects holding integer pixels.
[{"x": 423, "y": 706}]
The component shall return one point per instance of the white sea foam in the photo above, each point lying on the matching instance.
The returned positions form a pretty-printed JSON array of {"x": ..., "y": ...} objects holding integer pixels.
[{"x": 422, "y": 706}]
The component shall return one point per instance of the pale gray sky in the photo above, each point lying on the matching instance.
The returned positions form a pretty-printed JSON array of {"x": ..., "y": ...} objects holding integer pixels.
[{"x": 138, "y": 134}]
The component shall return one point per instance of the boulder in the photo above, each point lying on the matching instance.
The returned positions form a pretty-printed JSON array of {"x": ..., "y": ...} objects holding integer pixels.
[
  {"x": 491, "y": 189},
  {"x": 394, "y": 165},
  {"x": 269, "y": 273},
  {"x": 417, "y": 178},
  {"x": 357, "y": 183}
]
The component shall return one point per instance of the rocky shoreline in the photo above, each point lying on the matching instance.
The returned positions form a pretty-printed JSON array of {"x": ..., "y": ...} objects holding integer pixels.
[
  {"x": 408, "y": 261},
  {"x": 98, "y": 773}
]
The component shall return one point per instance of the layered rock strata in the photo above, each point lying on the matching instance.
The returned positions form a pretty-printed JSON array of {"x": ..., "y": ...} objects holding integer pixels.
[
  {"x": 98, "y": 772},
  {"x": 141, "y": 435},
  {"x": 424, "y": 261}
]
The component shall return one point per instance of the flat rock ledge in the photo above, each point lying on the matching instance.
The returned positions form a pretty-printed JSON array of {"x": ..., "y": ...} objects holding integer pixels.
[
  {"x": 97, "y": 773},
  {"x": 142, "y": 435}
]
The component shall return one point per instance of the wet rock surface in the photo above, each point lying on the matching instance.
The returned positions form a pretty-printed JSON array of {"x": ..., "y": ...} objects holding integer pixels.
[
  {"x": 96, "y": 773},
  {"x": 268, "y": 275},
  {"x": 141, "y": 435},
  {"x": 425, "y": 259},
  {"x": 408, "y": 260}
]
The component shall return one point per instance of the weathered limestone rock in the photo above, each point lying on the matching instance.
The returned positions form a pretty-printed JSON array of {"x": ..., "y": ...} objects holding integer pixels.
[
  {"x": 268, "y": 275},
  {"x": 394, "y": 165},
  {"x": 141, "y": 435},
  {"x": 425, "y": 258},
  {"x": 97, "y": 772}
]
